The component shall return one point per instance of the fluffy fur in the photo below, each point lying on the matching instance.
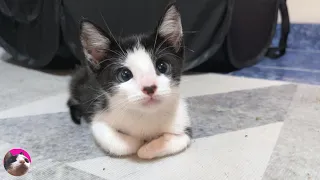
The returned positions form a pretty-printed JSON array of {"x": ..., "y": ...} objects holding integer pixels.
[
  {"x": 17, "y": 165},
  {"x": 129, "y": 90}
]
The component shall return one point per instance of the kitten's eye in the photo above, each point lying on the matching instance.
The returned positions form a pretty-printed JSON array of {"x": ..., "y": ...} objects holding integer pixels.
[
  {"x": 124, "y": 75},
  {"x": 163, "y": 67},
  {"x": 26, "y": 160}
]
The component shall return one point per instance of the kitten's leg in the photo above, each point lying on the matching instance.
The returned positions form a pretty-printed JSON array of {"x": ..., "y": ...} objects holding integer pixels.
[
  {"x": 114, "y": 142},
  {"x": 174, "y": 142},
  {"x": 166, "y": 144},
  {"x": 75, "y": 111}
]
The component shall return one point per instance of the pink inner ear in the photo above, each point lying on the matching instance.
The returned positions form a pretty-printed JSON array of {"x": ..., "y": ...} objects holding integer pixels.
[{"x": 97, "y": 55}]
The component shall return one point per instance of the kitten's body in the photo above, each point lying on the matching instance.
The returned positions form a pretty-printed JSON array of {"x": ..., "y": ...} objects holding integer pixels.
[{"x": 130, "y": 90}]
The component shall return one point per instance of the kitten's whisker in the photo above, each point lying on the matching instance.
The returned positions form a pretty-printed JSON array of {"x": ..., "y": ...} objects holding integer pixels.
[
  {"x": 119, "y": 54},
  {"x": 106, "y": 60},
  {"x": 173, "y": 47},
  {"x": 111, "y": 33},
  {"x": 160, "y": 45},
  {"x": 92, "y": 100},
  {"x": 117, "y": 103},
  {"x": 96, "y": 90},
  {"x": 169, "y": 54},
  {"x": 189, "y": 49},
  {"x": 106, "y": 84},
  {"x": 113, "y": 107},
  {"x": 189, "y": 32},
  {"x": 164, "y": 49},
  {"x": 121, "y": 105},
  {"x": 111, "y": 64},
  {"x": 155, "y": 41}
]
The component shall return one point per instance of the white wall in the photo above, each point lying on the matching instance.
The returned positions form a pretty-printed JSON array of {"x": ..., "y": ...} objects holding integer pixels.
[{"x": 304, "y": 11}]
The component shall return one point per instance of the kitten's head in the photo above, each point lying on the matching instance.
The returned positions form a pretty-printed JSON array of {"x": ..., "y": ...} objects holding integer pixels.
[
  {"x": 16, "y": 165},
  {"x": 142, "y": 70}
]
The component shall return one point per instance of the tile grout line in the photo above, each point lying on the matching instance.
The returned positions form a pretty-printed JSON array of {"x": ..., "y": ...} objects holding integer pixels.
[
  {"x": 286, "y": 68},
  {"x": 304, "y": 51}
]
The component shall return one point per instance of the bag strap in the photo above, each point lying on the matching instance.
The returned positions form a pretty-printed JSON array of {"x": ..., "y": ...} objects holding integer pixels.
[{"x": 276, "y": 52}]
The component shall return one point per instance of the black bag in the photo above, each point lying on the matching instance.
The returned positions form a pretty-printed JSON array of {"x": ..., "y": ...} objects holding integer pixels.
[
  {"x": 248, "y": 37},
  {"x": 219, "y": 34},
  {"x": 30, "y": 30},
  {"x": 205, "y": 22}
]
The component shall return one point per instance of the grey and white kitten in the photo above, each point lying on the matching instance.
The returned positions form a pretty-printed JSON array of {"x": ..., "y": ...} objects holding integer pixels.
[{"x": 129, "y": 90}]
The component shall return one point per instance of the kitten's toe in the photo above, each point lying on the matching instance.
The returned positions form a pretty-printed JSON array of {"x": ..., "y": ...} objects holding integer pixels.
[
  {"x": 145, "y": 153},
  {"x": 151, "y": 150}
]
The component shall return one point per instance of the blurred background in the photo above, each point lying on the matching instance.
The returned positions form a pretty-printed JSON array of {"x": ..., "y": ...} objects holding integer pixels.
[{"x": 222, "y": 36}]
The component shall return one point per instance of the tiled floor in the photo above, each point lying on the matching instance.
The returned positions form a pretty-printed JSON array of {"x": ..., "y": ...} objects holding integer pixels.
[
  {"x": 54, "y": 100},
  {"x": 237, "y": 124},
  {"x": 238, "y": 152},
  {"x": 198, "y": 163}
]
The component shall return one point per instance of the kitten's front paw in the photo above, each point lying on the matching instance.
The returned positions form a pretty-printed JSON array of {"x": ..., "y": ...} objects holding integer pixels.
[
  {"x": 147, "y": 151},
  {"x": 113, "y": 142},
  {"x": 153, "y": 149},
  {"x": 167, "y": 144}
]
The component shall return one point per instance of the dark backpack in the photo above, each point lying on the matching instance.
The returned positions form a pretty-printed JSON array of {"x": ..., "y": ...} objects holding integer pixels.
[
  {"x": 220, "y": 35},
  {"x": 243, "y": 37}
]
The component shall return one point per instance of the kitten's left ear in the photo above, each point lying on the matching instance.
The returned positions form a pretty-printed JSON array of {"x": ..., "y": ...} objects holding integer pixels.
[
  {"x": 8, "y": 155},
  {"x": 95, "y": 42},
  {"x": 170, "y": 27}
]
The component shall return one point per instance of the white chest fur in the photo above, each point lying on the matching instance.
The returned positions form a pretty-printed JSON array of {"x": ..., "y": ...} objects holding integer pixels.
[{"x": 172, "y": 118}]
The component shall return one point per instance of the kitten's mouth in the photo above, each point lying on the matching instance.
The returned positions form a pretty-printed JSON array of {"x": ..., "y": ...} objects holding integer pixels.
[{"x": 151, "y": 101}]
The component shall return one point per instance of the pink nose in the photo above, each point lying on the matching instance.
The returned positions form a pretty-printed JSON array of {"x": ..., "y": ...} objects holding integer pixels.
[
  {"x": 22, "y": 161},
  {"x": 149, "y": 90}
]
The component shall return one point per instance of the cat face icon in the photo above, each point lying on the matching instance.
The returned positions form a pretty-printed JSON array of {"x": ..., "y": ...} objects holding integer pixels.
[{"x": 16, "y": 165}]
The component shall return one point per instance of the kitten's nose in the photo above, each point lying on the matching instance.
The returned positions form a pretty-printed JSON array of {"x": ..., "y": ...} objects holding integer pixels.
[
  {"x": 149, "y": 90},
  {"x": 22, "y": 161}
]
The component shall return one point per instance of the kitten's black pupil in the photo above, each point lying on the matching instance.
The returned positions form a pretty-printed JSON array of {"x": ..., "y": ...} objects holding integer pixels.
[
  {"x": 162, "y": 67},
  {"x": 125, "y": 75},
  {"x": 26, "y": 160}
]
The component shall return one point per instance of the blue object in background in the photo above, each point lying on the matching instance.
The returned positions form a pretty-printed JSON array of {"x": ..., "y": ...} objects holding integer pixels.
[{"x": 300, "y": 64}]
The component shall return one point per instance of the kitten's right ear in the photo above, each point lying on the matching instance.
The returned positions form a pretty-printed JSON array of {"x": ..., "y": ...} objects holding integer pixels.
[
  {"x": 95, "y": 42},
  {"x": 8, "y": 155},
  {"x": 170, "y": 27}
]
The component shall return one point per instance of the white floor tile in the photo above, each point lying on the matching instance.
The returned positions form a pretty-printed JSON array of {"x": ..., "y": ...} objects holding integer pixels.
[
  {"x": 239, "y": 155},
  {"x": 47, "y": 105},
  {"x": 197, "y": 85},
  {"x": 19, "y": 85},
  {"x": 4, "y": 148}
]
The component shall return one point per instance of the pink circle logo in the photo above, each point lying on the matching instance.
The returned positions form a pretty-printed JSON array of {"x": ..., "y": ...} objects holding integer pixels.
[{"x": 17, "y": 162}]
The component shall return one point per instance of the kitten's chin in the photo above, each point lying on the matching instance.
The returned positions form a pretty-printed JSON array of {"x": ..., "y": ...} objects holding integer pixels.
[
  {"x": 149, "y": 102},
  {"x": 148, "y": 105},
  {"x": 156, "y": 103}
]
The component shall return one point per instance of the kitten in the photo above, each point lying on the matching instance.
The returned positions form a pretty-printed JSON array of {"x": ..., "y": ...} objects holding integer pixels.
[
  {"x": 16, "y": 165},
  {"x": 129, "y": 90}
]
